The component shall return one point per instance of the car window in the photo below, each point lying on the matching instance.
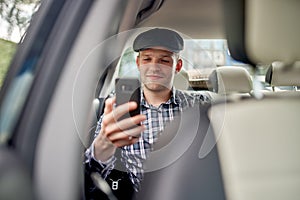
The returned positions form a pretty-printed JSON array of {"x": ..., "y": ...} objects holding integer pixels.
[
  {"x": 127, "y": 64},
  {"x": 7, "y": 50},
  {"x": 15, "y": 17},
  {"x": 19, "y": 76}
]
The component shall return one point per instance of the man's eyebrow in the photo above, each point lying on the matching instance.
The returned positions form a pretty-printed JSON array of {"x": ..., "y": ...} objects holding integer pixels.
[
  {"x": 161, "y": 56},
  {"x": 170, "y": 55}
]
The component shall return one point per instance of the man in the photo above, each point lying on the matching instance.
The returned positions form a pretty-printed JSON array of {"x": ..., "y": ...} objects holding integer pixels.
[{"x": 157, "y": 61}]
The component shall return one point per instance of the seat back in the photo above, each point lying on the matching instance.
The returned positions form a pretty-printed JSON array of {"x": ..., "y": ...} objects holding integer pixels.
[
  {"x": 258, "y": 139},
  {"x": 258, "y": 147},
  {"x": 181, "y": 80},
  {"x": 174, "y": 170}
]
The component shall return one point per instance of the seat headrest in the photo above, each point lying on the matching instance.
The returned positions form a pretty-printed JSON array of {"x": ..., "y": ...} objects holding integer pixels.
[
  {"x": 261, "y": 32},
  {"x": 280, "y": 74},
  {"x": 230, "y": 79},
  {"x": 181, "y": 80}
]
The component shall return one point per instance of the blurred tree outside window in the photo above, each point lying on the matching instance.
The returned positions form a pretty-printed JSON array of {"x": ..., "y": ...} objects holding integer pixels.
[
  {"x": 15, "y": 16},
  {"x": 7, "y": 50}
]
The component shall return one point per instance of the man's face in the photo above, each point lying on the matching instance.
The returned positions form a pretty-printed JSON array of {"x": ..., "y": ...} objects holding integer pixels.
[{"x": 157, "y": 68}]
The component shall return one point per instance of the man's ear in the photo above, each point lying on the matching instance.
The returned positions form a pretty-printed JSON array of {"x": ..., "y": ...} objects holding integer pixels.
[
  {"x": 178, "y": 65},
  {"x": 137, "y": 61}
]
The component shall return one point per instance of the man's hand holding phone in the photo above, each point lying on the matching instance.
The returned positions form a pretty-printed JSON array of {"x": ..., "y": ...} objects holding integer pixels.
[{"x": 117, "y": 131}]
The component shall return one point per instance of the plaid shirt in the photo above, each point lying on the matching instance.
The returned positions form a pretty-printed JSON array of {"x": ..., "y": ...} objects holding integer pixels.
[{"x": 133, "y": 156}]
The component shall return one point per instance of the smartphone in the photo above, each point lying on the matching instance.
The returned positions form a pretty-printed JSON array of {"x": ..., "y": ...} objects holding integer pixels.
[{"x": 128, "y": 89}]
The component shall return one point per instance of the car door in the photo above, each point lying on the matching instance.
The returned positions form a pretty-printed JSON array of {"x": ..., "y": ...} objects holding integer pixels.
[
  {"x": 46, "y": 100},
  {"x": 28, "y": 90}
]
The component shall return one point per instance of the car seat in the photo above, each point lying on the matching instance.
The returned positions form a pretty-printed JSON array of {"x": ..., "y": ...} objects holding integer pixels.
[
  {"x": 259, "y": 138},
  {"x": 231, "y": 81}
]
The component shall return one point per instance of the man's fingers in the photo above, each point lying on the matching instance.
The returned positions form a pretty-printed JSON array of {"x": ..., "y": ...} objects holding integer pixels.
[
  {"x": 121, "y": 143},
  {"x": 125, "y": 124},
  {"x": 123, "y": 132},
  {"x": 109, "y": 105},
  {"x": 126, "y": 134},
  {"x": 116, "y": 113},
  {"x": 120, "y": 110}
]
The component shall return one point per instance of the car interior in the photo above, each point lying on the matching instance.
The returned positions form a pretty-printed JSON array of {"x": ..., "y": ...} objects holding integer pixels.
[{"x": 243, "y": 145}]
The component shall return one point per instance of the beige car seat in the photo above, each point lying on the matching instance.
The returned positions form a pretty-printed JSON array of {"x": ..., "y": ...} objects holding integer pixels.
[{"x": 258, "y": 140}]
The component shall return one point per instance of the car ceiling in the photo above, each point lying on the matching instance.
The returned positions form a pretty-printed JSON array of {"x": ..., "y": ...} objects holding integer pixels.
[{"x": 195, "y": 18}]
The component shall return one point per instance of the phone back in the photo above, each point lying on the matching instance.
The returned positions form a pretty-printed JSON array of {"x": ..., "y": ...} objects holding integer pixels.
[{"x": 128, "y": 89}]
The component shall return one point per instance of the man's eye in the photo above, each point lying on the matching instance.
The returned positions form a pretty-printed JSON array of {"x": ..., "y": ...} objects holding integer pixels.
[
  {"x": 146, "y": 59},
  {"x": 165, "y": 61}
]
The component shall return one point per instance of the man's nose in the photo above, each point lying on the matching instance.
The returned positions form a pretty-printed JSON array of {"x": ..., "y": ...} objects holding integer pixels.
[
  {"x": 155, "y": 61},
  {"x": 155, "y": 66}
]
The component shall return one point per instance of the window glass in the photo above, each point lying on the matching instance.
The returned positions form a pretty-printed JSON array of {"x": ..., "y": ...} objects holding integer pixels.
[
  {"x": 127, "y": 64},
  {"x": 15, "y": 19},
  {"x": 7, "y": 50}
]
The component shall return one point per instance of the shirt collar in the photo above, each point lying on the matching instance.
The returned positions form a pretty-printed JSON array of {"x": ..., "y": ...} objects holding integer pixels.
[{"x": 175, "y": 99}]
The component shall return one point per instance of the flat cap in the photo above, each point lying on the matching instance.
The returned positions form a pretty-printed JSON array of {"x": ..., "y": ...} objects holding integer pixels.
[{"x": 158, "y": 37}]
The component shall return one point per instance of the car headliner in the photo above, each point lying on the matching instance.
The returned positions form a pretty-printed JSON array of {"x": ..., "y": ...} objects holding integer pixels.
[{"x": 195, "y": 18}]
